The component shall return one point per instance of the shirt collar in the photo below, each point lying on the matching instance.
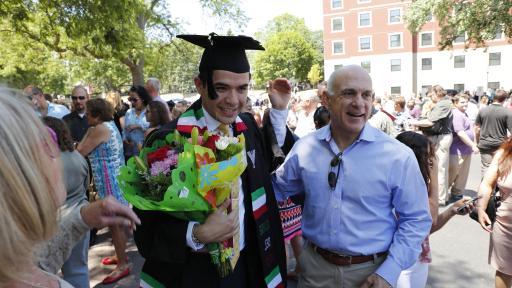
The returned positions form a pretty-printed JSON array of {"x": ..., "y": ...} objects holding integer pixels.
[
  {"x": 211, "y": 123},
  {"x": 367, "y": 134}
]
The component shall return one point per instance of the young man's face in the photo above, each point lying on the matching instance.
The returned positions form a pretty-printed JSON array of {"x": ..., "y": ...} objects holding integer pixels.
[
  {"x": 231, "y": 89},
  {"x": 462, "y": 105}
]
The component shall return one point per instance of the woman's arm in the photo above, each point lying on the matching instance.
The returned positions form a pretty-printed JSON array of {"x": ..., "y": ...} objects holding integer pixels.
[
  {"x": 485, "y": 190},
  {"x": 94, "y": 137},
  {"x": 433, "y": 194}
]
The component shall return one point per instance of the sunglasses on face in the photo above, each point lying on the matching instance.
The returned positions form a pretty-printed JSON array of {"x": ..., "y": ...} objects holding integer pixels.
[
  {"x": 77, "y": 97},
  {"x": 332, "y": 177},
  {"x": 133, "y": 99}
]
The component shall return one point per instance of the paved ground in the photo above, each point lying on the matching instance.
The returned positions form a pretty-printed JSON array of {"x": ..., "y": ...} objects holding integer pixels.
[{"x": 459, "y": 252}]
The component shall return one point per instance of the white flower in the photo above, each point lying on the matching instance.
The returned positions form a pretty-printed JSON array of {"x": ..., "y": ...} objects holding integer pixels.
[{"x": 222, "y": 143}]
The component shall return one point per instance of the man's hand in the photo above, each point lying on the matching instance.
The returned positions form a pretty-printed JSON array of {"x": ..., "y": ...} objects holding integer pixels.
[
  {"x": 375, "y": 281},
  {"x": 218, "y": 226},
  {"x": 108, "y": 212},
  {"x": 279, "y": 92}
]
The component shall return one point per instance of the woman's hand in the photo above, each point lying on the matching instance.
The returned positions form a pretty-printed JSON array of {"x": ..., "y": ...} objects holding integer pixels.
[{"x": 484, "y": 220}]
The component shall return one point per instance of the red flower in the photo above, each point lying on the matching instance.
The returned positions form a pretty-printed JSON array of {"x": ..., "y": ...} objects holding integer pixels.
[
  {"x": 210, "y": 143},
  {"x": 158, "y": 155}
]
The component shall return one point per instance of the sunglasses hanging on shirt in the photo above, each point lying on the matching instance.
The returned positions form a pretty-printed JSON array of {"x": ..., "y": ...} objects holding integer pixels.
[{"x": 332, "y": 177}]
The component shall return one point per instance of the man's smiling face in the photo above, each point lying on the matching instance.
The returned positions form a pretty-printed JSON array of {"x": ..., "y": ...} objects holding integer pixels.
[{"x": 351, "y": 103}]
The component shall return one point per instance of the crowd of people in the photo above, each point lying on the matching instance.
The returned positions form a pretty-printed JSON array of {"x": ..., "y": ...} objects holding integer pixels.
[{"x": 351, "y": 180}]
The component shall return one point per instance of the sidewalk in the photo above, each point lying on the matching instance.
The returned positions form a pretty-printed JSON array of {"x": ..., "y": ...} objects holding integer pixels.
[{"x": 104, "y": 248}]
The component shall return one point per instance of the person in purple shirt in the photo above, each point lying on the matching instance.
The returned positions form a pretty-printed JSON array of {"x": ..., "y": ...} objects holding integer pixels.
[
  {"x": 462, "y": 147},
  {"x": 356, "y": 180}
]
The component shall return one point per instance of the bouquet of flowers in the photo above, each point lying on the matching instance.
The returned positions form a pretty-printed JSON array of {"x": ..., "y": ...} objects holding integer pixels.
[{"x": 189, "y": 178}]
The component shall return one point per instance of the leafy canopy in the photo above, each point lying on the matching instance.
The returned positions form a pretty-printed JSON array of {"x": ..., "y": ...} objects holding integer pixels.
[{"x": 481, "y": 20}]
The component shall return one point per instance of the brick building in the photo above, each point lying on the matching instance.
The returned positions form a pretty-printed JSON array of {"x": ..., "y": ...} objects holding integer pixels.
[{"x": 372, "y": 33}]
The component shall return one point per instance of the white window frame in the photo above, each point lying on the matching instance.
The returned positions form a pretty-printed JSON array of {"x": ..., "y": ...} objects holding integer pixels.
[
  {"x": 489, "y": 58},
  {"x": 401, "y": 16},
  {"x": 332, "y": 47},
  {"x": 359, "y": 19},
  {"x": 391, "y": 90},
  {"x": 458, "y": 43},
  {"x": 431, "y": 17},
  {"x": 420, "y": 37},
  {"x": 431, "y": 64},
  {"x": 454, "y": 62},
  {"x": 359, "y": 43},
  {"x": 342, "y": 24},
  {"x": 401, "y": 40},
  {"x": 391, "y": 65},
  {"x": 369, "y": 62},
  {"x": 341, "y": 7}
]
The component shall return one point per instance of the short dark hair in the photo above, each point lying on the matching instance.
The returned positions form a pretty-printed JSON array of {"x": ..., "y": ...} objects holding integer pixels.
[
  {"x": 159, "y": 113},
  {"x": 456, "y": 98},
  {"x": 63, "y": 135},
  {"x": 500, "y": 96},
  {"x": 321, "y": 117},
  {"x": 142, "y": 93},
  {"x": 100, "y": 108}
]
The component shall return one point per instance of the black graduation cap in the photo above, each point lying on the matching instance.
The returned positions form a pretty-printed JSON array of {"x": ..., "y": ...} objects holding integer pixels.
[{"x": 222, "y": 53}]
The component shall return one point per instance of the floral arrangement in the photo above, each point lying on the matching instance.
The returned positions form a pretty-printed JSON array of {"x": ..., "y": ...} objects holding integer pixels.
[{"x": 189, "y": 178}]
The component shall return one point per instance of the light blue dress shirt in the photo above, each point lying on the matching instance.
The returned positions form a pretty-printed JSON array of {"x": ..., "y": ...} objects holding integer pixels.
[
  {"x": 55, "y": 110},
  {"x": 378, "y": 176}
]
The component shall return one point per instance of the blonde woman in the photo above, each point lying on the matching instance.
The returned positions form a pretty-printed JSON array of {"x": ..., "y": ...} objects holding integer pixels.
[
  {"x": 32, "y": 191},
  {"x": 114, "y": 98}
]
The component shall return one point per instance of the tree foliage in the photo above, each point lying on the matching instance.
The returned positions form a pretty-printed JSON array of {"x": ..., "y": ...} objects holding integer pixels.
[
  {"x": 315, "y": 74},
  {"x": 287, "y": 54},
  {"x": 479, "y": 19},
  {"x": 119, "y": 30},
  {"x": 290, "y": 50}
]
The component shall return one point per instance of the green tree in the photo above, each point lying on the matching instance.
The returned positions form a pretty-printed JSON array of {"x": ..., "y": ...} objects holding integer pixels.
[
  {"x": 287, "y": 54},
  {"x": 315, "y": 74},
  {"x": 309, "y": 50},
  {"x": 479, "y": 19},
  {"x": 107, "y": 30}
]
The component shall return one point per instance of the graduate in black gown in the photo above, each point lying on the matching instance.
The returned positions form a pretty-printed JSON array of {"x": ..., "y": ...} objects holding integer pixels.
[{"x": 174, "y": 249}]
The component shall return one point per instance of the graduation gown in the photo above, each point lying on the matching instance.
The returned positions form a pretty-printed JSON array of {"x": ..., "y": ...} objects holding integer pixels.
[{"x": 161, "y": 238}]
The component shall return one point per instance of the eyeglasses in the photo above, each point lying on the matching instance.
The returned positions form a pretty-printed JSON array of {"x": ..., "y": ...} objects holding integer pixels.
[
  {"x": 77, "y": 97},
  {"x": 332, "y": 177},
  {"x": 133, "y": 99}
]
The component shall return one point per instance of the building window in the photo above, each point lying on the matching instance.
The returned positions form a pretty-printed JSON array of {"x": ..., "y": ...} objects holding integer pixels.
[
  {"x": 458, "y": 87},
  {"x": 366, "y": 65},
  {"x": 495, "y": 59},
  {"x": 338, "y": 47},
  {"x": 337, "y": 24},
  {"x": 365, "y": 19},
  {"x": 365, "y": 43},
  {"x": 429, "y": 17},
  {"x": 395, "y": 40},
  {"x": 339, "y": 66},
  {"x": 396, "y": 65},
  {"x": 426, "y": 64},
  {"x": 459, "y": 61},
  {"x": 460, "y": 38},
  {"x": 426, "y": 38},
  {"x": 499, "y": 34},
  {"x": 336, "y": 4},
  {"x": 395, "y": 15},
  {"x": 493, "y": 85},
  {"x": 396, "y": 90}
]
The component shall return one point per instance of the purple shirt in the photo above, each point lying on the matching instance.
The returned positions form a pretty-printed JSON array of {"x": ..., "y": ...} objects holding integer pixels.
[{"x": 461, "y": 122}]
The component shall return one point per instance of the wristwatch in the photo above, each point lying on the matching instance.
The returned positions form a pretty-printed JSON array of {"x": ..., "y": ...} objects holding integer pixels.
[{"x": 194, "y": 238}]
